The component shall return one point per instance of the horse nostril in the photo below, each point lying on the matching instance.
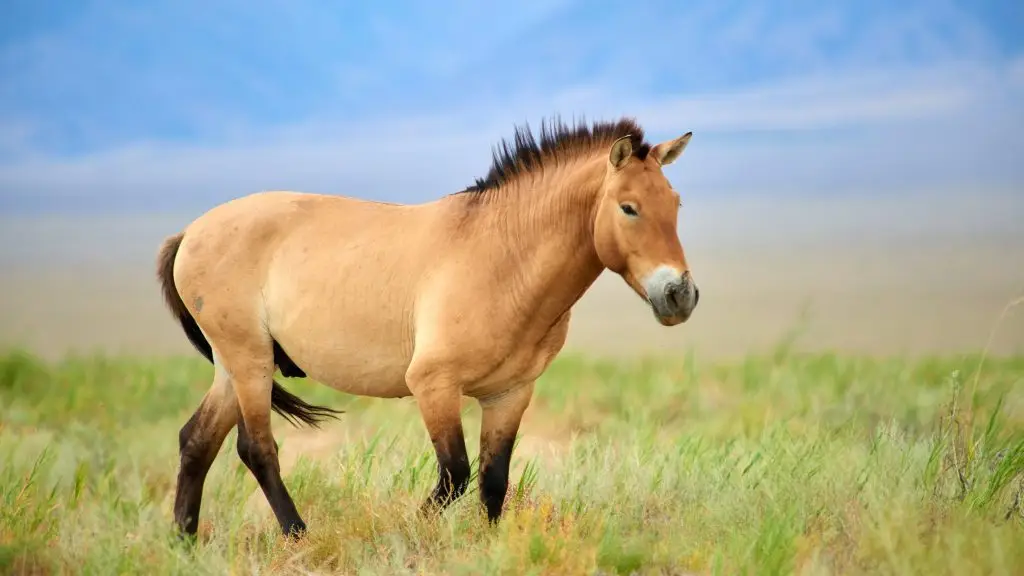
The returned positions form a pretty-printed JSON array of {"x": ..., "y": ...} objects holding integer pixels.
[
  {"x": 675, "y": 293},
  {"x": 696, "y": 296},
  {"x": 671, "y": 291}
]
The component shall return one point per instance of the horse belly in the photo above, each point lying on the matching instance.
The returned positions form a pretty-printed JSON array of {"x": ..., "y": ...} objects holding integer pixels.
[
  {"x": 347, "y": 352},
  {"x": 351, "y": 368},
  {"x": 349, "y": 329},
  {"x": 353, "y": 372}
]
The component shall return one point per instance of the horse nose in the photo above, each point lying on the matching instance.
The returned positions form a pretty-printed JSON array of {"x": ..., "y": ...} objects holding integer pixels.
[{"x": 682, "y": 294}]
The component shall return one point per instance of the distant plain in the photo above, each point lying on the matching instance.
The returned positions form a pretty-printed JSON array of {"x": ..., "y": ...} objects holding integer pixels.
[{"x": 898, "y": 274}]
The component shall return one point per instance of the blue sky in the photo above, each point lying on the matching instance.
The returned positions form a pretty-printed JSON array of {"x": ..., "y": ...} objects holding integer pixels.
[{"x": 175, "y": 105}]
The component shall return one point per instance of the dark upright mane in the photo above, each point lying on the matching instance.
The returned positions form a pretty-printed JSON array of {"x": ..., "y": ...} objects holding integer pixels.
[{"x": 557, "y": 141}]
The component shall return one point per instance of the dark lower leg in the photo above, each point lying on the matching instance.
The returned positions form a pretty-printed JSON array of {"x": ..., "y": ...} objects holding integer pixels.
[
  {"x": 498, "y": 429},
  {"x": 495, "y": 456},
  {"x": 259, "y": 454},
  {"x": 440, "y": 410},
  {"x": 199, "y": 440},
  {"x": 452, "y": 469}
]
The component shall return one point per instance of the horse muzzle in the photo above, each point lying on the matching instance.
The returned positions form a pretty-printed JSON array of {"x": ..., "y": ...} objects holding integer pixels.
[{"x": 673, "y": 296}]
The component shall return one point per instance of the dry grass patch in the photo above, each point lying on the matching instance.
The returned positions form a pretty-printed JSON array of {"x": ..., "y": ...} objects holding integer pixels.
[{"x": 780, "y": 464}]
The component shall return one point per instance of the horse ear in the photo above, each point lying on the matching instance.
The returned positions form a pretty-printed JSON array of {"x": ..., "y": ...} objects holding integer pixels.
[
  {"x": 621, "y": 150},
  {"x": 667, "y": 152}
]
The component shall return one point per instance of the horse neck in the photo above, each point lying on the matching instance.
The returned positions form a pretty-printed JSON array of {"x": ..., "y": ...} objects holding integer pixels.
[{"x": 548, "y": 226}]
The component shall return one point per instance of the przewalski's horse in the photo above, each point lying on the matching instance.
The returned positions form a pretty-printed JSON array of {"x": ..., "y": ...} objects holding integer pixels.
[{"x": 468, "y": 295}]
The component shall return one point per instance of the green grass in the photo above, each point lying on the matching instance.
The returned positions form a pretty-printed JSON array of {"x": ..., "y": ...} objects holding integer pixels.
[{"x": 779, "y": 464}]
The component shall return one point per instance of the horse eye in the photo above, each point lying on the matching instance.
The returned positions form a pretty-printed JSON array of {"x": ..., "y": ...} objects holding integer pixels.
[{"x": 628, "y": 209}]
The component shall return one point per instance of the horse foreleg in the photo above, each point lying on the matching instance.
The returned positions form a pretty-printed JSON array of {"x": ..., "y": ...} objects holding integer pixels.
[
  {"x": 502, "y": 415},
  {"x": 439, "y": 404}
]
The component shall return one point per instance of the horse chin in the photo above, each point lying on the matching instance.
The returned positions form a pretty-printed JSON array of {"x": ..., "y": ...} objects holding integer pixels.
[
  {"x": 665, "y": 318},
  {"x": 670, "y": 320}
]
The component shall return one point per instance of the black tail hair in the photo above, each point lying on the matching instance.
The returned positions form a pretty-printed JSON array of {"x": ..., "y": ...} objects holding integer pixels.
[{"x": 288, "y": 405}]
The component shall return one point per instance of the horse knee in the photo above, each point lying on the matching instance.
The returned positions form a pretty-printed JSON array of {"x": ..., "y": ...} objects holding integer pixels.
[
  {"x": 202, "y": 435},
  {"x": 186, "y": 432},
  {"x": 193, "y": 451},
  {"x": 258, "y": 456},
  {"x": 244, "y": 447}
]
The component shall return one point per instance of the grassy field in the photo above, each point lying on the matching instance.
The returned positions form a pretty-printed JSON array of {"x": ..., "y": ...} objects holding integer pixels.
[{"x": 778, "y": 464}]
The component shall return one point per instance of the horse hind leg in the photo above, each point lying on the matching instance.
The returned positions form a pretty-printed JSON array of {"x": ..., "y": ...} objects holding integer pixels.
[
  {"x": 252, "y": 374},
  {"x": 199, "y": 441},
  {"x": 260, "y": 456}
]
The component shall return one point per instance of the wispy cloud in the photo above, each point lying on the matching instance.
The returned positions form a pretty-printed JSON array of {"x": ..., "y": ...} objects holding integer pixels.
[{"x": 405, "y": 104}]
